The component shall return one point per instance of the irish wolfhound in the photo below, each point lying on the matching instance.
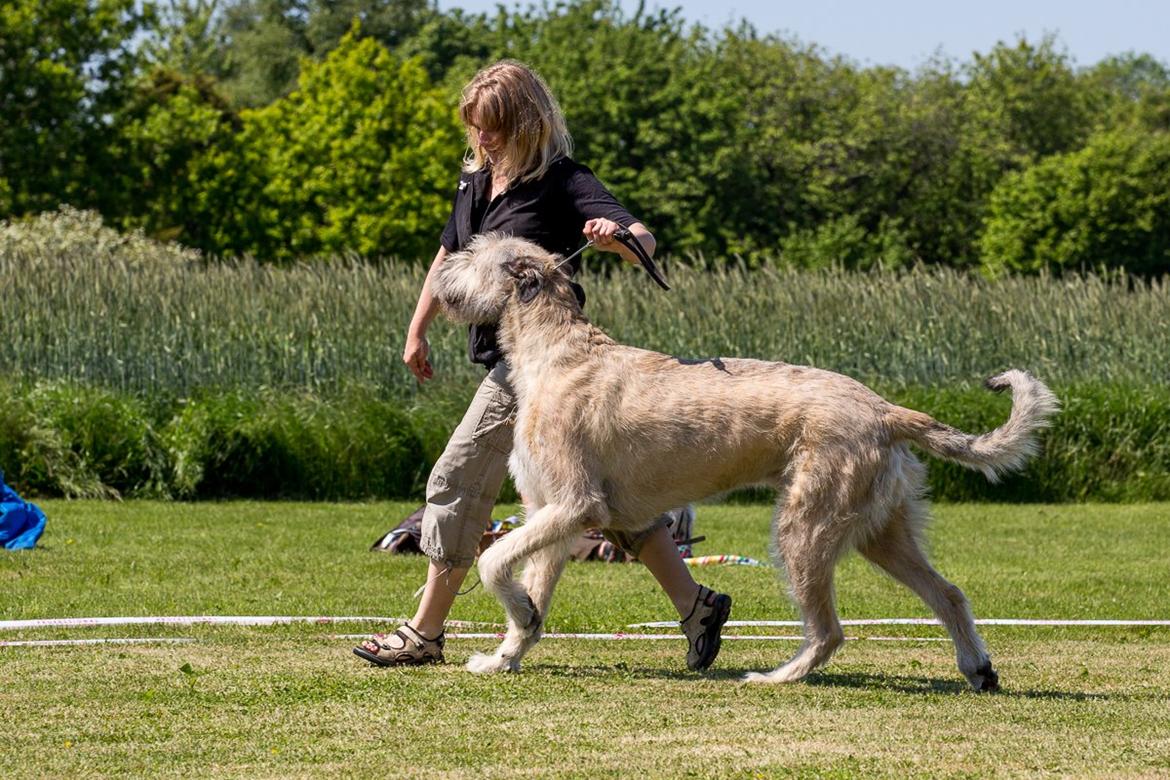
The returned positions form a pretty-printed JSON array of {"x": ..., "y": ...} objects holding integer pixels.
[{"x": 613, "y": 436}]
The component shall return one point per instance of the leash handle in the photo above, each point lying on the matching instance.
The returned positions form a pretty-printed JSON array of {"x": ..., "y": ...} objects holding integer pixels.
[{"x": 629, "y": 242}]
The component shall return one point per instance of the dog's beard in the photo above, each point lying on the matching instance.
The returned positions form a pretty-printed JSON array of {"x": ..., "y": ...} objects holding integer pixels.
[{"x": 463, "y": 299}]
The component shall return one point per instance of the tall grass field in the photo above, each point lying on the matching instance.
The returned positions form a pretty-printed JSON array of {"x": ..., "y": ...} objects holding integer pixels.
[
  {"x": 292, "y": 700},
  {"x": 133, "y": 318},
  {"x": 130, "y": 368}
]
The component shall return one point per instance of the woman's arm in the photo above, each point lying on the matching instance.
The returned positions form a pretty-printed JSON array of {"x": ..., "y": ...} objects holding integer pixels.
[
  {"x": 417, "y": 347},
  {"x": 601, "y": 231}
]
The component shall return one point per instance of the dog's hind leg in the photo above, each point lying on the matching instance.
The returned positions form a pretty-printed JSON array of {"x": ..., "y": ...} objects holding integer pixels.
[
  {"x": 809, "y": 543},
  {"x": 896, "y": 550},
  {"x": 544, "y": 539}
]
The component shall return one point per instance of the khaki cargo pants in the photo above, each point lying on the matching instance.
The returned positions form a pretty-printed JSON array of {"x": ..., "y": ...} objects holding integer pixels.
[{"x": 466, "y": 479}]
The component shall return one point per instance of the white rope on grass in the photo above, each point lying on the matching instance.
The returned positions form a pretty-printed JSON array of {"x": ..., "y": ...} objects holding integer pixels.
[
  {"x": 74, "y": 642},
  {"x": 193, "y": 620},
  {"x": 926, "y": 622},
  {"x": 273, "y": 620},
  {"x": 619, "y": 636}
]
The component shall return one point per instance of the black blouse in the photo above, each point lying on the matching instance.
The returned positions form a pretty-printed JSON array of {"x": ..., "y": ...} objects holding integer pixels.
[{"x": 550, "y": 211}]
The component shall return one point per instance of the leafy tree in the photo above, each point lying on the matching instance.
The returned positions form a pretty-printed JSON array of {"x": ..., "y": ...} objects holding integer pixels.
[
  {"x": 787, "y": 95},
  {"x": 186, "y": 40},
  {"x": 362, "y": 156},
  {"x": 389, "y": 22},
  {"x": 180, "y": 163},
  {"x": 1106, "y": 205},
  {"x": 65, "y": 66},
  {"x": 266, "y": 40},
  {"x": 849, "y": 165},
  {"x": 1030, "y": 99},
  {"x": 450, "y": 45},
  {"x": 1130, "y": 89}
]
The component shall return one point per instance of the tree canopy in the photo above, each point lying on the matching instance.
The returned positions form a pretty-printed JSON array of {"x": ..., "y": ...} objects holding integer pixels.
[{"x": 288, "y": 128}]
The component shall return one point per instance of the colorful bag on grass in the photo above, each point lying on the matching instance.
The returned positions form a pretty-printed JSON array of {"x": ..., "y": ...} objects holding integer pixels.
[
  {"x": 406, "y": 537},
  {"x": 21, "y": 523}
]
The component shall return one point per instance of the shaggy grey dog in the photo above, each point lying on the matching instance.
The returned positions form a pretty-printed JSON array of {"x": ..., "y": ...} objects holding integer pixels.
[{"x": 612, "y": 436}]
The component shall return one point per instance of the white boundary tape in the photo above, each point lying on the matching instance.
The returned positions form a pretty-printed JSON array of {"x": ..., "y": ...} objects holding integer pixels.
[
  {"x": 673, "y": 637},
  {"x": 193, "y": 620},
  {"x": 926, "y": 622},
  {"x": 71, "y": 642},
  {"x": 273, "y": 620}
]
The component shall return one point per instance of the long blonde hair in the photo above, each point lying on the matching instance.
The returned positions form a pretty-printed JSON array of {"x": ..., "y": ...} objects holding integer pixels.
[{"x": 511, "y": 99}]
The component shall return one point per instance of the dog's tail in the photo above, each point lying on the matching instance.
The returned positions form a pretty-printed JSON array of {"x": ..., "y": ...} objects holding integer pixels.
[{"x": 997, "y": 452}]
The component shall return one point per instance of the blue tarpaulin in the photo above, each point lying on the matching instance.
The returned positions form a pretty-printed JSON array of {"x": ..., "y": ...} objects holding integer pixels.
[{"x": 21, "y": 523}]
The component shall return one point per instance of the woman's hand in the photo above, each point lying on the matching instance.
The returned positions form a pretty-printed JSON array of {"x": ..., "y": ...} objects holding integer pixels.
[
  {"x": 601, "y": 232},
  {"x": 417, "y": 350},
  {"x": 415, "y": 356}
]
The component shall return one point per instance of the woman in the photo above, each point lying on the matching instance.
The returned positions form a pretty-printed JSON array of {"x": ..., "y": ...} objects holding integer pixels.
[{"x": 518, "y": 179}]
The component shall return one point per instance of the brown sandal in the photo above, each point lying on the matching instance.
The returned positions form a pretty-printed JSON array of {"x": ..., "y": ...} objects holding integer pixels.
[{"x": 411, "y": 649}]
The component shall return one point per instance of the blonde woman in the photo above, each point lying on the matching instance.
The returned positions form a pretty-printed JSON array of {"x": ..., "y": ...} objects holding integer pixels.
[{"x": 518, "y": 179}]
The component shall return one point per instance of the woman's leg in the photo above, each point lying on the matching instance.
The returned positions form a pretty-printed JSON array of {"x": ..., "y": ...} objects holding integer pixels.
[
  {"x": 437, "y": 598},
  {"x": 660, "y": 555},
  {"x": 461, "y": 492},
  {"x": 702, "y": 611}
]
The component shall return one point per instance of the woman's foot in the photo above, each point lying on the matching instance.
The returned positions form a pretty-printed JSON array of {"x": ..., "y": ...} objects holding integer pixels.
[
  {"x": 405, "y": 647},
  {"x": 703, "y": 627}
]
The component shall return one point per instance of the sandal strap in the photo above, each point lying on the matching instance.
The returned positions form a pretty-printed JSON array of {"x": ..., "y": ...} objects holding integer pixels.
[
  {"x": 419, "y": 639},
  {"x": 701, "y": 598},
  {"x": 380, "y": 641},
  {"x": 414, "y": 639}
]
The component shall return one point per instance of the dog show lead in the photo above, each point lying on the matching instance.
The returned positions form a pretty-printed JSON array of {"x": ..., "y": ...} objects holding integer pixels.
[{"x": 519, "y": 179}]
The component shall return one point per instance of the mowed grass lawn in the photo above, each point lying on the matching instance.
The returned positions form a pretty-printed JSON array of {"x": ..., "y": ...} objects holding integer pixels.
[{"x": 291, "y": 701}]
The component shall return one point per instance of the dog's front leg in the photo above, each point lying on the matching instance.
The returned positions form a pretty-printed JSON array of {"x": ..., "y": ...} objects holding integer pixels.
[{"x": 544, "y": 538}]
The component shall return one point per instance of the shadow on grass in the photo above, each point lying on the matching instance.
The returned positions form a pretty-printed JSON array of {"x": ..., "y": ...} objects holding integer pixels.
[
  {"x": 633, "y": 671},
  {"x": 857, "y": 680},
  {"x": 934, "y": 685}
]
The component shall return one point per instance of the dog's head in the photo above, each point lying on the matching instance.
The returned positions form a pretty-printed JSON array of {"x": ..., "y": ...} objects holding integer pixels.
[{"x": 477, "y": 284}]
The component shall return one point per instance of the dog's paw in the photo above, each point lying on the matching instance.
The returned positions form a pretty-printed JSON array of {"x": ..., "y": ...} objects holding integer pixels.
[
  {"x": 482, "y": 663},
  {"x": 774, "y": 677},
  {"x": 985, "y": 679}
]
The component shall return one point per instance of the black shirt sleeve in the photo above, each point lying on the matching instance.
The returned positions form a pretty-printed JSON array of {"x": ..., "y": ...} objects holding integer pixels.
[
  {"x": 450, "y": 236},
  {"x": 589, "y": 198}
]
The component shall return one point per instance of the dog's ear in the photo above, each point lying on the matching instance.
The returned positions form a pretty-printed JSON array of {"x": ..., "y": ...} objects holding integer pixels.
[{"x": 529, "y": 280}]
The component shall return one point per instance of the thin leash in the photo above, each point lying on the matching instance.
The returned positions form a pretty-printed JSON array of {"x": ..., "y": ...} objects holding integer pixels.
[
  {"x": 570, "y": 257},
  {"x": 447, "y": 582}
]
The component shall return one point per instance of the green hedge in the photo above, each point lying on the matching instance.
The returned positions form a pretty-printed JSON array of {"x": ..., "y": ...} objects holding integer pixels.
[
  {"x": 1109, "y": 443},
  {"x": 62, "y": 440}
]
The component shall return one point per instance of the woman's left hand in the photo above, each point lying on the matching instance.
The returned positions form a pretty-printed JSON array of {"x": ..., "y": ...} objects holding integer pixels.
[{"x": 601, "y": 232}]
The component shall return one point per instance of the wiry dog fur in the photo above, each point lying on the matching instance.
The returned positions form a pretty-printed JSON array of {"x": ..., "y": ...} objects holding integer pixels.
[{"x": 612, "y": 436}]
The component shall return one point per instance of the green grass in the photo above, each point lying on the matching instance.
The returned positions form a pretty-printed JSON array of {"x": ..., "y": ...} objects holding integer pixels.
[{"x": 291, "y": 700}]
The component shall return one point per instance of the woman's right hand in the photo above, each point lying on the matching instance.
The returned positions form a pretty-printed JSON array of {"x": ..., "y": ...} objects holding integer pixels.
[{"x": 415, "y": 356}]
